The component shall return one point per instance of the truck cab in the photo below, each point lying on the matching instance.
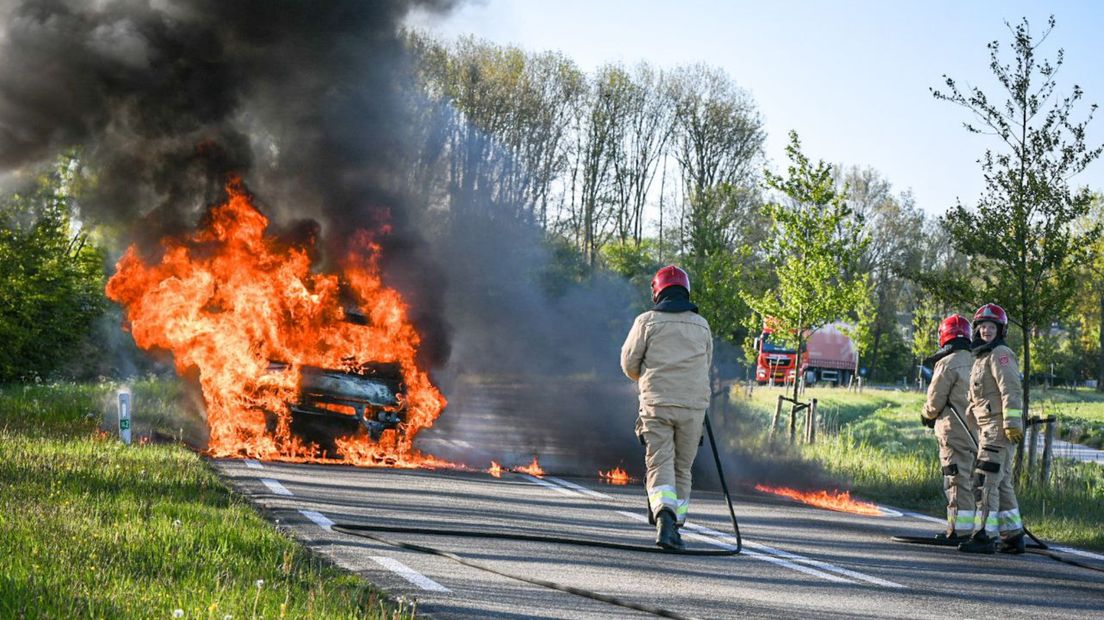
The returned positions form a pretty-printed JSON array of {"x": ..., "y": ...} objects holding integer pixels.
[{"x": 774, "y": 363}]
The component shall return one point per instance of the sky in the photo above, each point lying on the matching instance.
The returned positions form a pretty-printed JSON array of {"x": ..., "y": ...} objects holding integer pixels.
[{"x": 851, "y": 77}]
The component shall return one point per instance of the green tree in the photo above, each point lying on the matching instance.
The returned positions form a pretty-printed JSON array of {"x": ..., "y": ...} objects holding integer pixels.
[
  {"x": 1019, "y": 237},
  {"x": 51, "y": 277},
  {"x": 815, "y": 247}
]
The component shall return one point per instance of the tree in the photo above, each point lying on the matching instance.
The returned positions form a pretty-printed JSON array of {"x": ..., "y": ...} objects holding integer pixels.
[
  {"x": 1019, "y": 236},
  {"x": 51, "y": 277},
  {"x": 815, "y": 247},
  {"x": 891, "y": 224}
]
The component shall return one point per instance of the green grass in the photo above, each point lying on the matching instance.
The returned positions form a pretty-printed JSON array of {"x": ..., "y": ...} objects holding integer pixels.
[
  {"x": 95, "y": 529},
  {"x": 874, "y": 444}
]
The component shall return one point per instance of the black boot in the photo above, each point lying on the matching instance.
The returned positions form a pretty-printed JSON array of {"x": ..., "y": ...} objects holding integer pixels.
[
  {"x": 979, "y": 543},
  {"x": 1014, "y": 545},
  {"x": 667, "y": 535}
]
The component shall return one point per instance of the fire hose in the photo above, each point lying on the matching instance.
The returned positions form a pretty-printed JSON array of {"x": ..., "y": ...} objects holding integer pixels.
[
  {"x": 371, "y": 531},
  {"x": 1039, "y": 548},
  {"x": 958, "y": 416}
]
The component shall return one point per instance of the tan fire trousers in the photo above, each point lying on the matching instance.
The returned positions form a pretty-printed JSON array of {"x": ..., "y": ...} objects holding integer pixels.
[
  {"x": 671, "y": 436},
  {"x": 957, "y": 453},
  {"x": 997, "y": 508}
]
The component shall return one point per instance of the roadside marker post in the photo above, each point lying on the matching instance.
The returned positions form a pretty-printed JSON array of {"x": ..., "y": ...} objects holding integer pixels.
[{"x": 124, "y": 417}]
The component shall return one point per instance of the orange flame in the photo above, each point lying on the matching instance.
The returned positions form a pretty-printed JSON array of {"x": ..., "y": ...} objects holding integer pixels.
[
  {"x": 616, "y": 476},
  {"x": 533, "y": 469},
  {"x": 227, "y": 299},
  {"x": 832, "y": 500},
  {"x": 495, "y": 470}
]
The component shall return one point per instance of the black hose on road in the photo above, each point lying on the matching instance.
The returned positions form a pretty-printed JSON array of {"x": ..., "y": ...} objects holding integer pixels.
[{"x": 367, "y": 531}]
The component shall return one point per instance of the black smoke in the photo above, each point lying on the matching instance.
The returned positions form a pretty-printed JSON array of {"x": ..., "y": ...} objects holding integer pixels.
[{"x": 316, "y": 105}]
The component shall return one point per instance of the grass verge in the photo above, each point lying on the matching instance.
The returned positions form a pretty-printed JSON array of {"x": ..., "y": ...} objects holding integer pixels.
[
  {"x": 95, "y": 529},
  {"x": 873, "y": 444}
]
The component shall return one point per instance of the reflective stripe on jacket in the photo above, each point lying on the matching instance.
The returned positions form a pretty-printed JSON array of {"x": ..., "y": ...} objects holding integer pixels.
[
  {"x": 668, "y": 354},
  {"x": 995, "y": 388}
]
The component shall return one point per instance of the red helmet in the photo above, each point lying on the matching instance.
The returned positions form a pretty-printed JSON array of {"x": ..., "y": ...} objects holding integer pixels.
[
  {"x": 954, "y": 326},
  {"x": 669, "y": 276},
  {"x": 991, "y": 312}
]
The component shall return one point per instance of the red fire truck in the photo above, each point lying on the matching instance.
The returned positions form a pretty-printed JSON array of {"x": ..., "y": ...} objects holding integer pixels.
[{"x": 828, "y": 356}]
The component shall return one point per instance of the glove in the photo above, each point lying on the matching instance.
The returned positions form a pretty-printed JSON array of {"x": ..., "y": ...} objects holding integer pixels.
[
  {"x": 928, "y": 422},
  {"x": 1013, "y": 434}
]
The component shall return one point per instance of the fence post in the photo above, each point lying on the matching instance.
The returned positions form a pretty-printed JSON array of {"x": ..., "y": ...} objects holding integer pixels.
[
  {"x": 774, "y": 420},
  {"x": 793, "y": 422},
  {"x": 1032, "y": 443},
  {"x": 1048, "y": 454},
  {"x": 810, "y": 423}
]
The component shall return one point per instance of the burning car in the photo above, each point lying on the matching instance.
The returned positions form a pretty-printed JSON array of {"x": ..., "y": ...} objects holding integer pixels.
[
  {"x": 338, "y": 403},
  {"x": 294, "y": 363}
]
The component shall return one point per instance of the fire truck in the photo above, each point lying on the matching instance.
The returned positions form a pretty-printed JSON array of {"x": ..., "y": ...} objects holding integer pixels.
[{"x": 828, "y": 356}]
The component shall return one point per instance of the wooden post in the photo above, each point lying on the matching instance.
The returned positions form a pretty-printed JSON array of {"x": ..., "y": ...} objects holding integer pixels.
[
  {"x": 810, "y": 423},
  {"x": 793, "y": 422},
  {"x": 774, "y": 420},
  {"x": 1032, "y": 442},
  {"x": 1048, "y": 454}
]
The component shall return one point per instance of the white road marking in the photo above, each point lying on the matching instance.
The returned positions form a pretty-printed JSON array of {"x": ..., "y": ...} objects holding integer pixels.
[
  {"x": 578, "y": 487},
  {"x": 253, "y": 464},
  {"x": 276, "y": 487},
  {"x": 409, "y": 574},
  {"x": 1087, "y": 554},
  {"x": 318, "y": 518},
  {"x": 799, "y": 558},
  {"x": 554, "y": 487},
  {"x": 751, "y": 554}
]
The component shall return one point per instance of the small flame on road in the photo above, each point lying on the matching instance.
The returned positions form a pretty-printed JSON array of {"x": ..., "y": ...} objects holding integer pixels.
[
  {"x": 495, "y": 470},
  {"x": 832, "y": 500},
  {"x": 616, "y": 476},
  {"x": 533, "y": 469}
]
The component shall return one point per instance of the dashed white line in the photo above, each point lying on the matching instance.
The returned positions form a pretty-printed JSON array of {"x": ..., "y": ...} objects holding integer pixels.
[
  {"x": 409, "y": 574},
  {"x": 555, "y": 487},
  {"x": 318, "y": 518},
  {"x": 578, "y": 487},
  {"x": 276, "y": 487},
  {"x": 751, "y": 554},
  {"x": 253, "y": 464}
]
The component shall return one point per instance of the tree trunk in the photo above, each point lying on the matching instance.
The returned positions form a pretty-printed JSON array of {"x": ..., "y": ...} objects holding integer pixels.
[
  {"x": 1026, "y": 395},
  {"x": 1100, "y": 353},
  {"x": 872, "y": 362}
]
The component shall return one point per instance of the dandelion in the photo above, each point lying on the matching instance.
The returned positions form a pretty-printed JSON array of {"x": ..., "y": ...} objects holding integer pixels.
[
  {"x": 228, "y": 617},
  {"x": 176, "y": 523},
  {"x": 260, "y": 583},
  {"x": 178, "y": 613}
]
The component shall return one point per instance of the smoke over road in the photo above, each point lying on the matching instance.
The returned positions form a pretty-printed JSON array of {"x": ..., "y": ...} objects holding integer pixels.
[{"x": 317, "y": 107}]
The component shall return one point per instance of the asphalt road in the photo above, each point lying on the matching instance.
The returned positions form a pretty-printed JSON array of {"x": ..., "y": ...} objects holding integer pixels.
[{"x": 798, "y": 561}]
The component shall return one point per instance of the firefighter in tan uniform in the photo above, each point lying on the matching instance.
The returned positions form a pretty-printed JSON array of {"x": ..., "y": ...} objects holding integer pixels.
[
  {"x": 996, "y": 400},
  {"x": 668, "y": 353},
  {"x": 949, "y": 388}
]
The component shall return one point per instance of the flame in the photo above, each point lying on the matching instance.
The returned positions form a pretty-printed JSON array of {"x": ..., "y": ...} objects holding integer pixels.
[
  {"x": 533, "y": 469},
  {"x": 832, "y": 500},
  {"x": 495, "y": 470},
  {"x": 616, "y": 476},
  {"x": 227, "y": 299}
]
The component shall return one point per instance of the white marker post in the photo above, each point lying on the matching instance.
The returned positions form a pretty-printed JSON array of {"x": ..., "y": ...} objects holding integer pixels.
[{"x": 124, "y": 417}]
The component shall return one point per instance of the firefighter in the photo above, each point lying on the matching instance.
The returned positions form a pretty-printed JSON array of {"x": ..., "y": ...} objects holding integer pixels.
[
  {"x": 668, "y": 353},
  {"x": 957, "y": 448},
  {"x": 996, "y": 400}
]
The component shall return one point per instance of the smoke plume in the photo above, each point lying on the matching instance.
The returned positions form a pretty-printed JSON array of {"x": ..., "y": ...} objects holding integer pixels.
[{"x": 317, "y": 107}]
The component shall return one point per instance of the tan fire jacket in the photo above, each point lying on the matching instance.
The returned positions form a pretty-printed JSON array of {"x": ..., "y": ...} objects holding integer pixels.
[
  {"x": 995, "y": 388},
  {"x": 668, "y": 354},
  {"x": 950, "y": 385}
]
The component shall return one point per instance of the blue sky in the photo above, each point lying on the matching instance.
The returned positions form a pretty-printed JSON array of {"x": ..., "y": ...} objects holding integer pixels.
[{"x": 852, "y": 77}]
